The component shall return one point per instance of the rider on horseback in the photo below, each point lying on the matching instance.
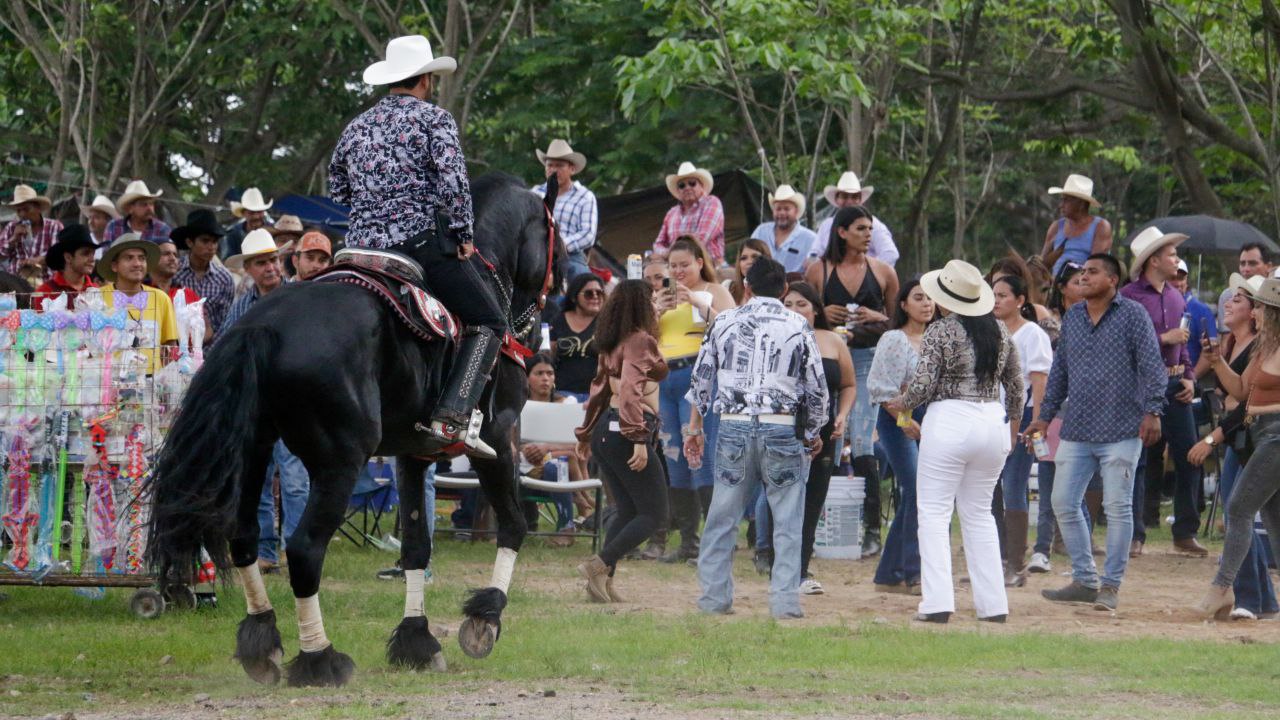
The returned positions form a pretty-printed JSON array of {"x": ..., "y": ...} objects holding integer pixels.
[{"x": 399, "y": 165}]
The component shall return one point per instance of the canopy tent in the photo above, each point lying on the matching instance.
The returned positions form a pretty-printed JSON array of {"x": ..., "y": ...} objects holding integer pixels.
[{"x": 314, "y": 211}]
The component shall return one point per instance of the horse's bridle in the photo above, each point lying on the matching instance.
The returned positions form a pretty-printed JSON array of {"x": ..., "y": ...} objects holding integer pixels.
[{"x": 522, "y": 325}]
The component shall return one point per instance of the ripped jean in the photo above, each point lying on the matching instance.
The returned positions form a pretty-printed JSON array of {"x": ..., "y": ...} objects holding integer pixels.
[{"x": 674, "y": 412}]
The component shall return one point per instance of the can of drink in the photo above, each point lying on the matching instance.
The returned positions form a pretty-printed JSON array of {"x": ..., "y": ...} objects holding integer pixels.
[
  {"x": 635, "y": 267},
  {"x": 1185, "y": 323},
  {"x": 1039, "y": 445},
  {"x": 904, "y": 419},
  {"x": 851, "y": 308},
  {"x": 562, "y": 468}
]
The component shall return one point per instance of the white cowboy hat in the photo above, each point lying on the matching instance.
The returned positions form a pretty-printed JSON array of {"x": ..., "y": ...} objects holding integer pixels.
[
  {"x": 1249, "y": 286},
  {"x": 959, "y": 287},
  {"x": 687, "y": 170},
  {"x": 1077, "y": 186},
  {"x": 101, "y": 203},
  {"x": 26, "y": 194},
  {"x": 408, "y": 56},
  {"x": 1146, "y": 243},
  {"x": 257, "y": 242},
  {"x": 136, "y": 190},
  {"x": 560, "y": 150},
  {"x": 848, "y": 183},
  {"x": 250, "y": 200},
  {"x": 786, "y": 193}
]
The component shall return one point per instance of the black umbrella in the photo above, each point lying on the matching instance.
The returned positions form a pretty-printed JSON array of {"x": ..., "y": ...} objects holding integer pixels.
[{"x": 1210, "y": 235}]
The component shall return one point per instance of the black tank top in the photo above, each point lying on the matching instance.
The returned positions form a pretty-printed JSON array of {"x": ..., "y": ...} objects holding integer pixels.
[
  {"x": 869, "y": 294},
  {"x": 831, "y": 367},
  {"x": 576, "y": 357}
]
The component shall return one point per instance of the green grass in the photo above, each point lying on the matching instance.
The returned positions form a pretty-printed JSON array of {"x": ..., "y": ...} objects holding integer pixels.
[{"x": 66, "y": 649}]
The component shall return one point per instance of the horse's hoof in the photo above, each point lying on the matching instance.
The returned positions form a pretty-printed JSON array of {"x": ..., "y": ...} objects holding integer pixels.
[
  {"x": 438, "y": 663},
  {"x": 412, "y": 645},
  {"x": 477, "y": 636},
  {"x": 258, "y": 648},
  {"x": 327, "y": 667}
]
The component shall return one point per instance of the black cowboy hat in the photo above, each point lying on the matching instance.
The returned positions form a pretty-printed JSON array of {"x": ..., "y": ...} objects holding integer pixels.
[
  {"x": 70, "y": 239},
  {"x": 199, "y": 222}
]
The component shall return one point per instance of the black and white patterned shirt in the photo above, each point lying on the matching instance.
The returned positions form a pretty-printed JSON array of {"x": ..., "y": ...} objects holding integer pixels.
[
  {"x": 765, "y": 360},
  {"x": 396, "y": 165}
]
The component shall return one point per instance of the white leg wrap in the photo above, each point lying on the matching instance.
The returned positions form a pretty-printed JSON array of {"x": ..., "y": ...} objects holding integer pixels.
[
  {"x": 414, "y": 580},
  {"x": 310, "y": 625},
  {"x": 503, "y": 566},
  {"x": 255, "y": 592}
]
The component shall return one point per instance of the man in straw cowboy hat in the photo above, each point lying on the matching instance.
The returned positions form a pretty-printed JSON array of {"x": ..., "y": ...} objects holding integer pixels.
[
  {"x": 1107, "y": 371},
  {"x": 138, "y": 207},
  {"x": 99, "y": 213},
  {"x": 124, "y": 266},
  {"x": 71, "y": 260},
  {"x": 259, "y": 259},
  {"x": 576, "y": 215},
  {"x": 287, "y": 230},
  {"x": 787, "y": 238},
  {"x": 252, "y": 211},
  {"x": 25, "y": 240},
  {"x": 1155, "y": 266},
  {"x": 400, "y": 167},
  {"x": 847, "y": 192},
  {"x": 210, "y": 280},
  {"x": 1077, "y": 234},
  {"x": 698, "y": 213}
]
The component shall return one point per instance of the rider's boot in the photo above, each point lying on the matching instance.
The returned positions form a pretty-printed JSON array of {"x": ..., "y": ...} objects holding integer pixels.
[{"x": 456, "y": 417}]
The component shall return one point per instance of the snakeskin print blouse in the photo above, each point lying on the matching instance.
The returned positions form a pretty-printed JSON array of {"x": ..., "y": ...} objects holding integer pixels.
[{"x": 945, "y": 370}]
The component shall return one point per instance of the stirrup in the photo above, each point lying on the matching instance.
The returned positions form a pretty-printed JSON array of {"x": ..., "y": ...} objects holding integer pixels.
[{"x": 470, "y": 436}]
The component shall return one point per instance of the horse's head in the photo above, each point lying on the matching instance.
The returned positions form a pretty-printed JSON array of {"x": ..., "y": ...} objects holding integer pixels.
[{"x": 513, "y": 229}]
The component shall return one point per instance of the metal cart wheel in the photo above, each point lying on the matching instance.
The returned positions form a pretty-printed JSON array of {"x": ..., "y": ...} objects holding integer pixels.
[
  {"x": 147, "y": 604},
  {"x": 180, "y": 596}
]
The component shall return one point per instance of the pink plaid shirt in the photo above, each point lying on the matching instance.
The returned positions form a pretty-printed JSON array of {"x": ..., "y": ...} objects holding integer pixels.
[
  {"x": 705, "y": 221},
  {"x": 14, "y": 251}
]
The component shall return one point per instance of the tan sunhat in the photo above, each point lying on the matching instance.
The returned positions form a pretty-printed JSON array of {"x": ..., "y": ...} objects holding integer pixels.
[
  {"x": 848, "y": 183},
  {"x": 287, "y": 225},
  {"x": 250, "y": 200},
  {"x": 1077, "y": 186},
  {"x": 688, "y": 170},
  {"x": 560, "y": 150},
  {"x": 1269, "y": 292},
  {"x": 1146, "y": 243},
  {"x": 786, "y": 193},
  {"x": 408, "y": 56},
  {"x": 1249, "y": 286},
  {"x": 959, "y": 287},
  {"x": 26, "y": 193},
  {"x": 126, "y": 242},
  {"x": 257, "y": 242},
  {"x": 101, "y": 203},
  {"x": 136, "y": 190}
]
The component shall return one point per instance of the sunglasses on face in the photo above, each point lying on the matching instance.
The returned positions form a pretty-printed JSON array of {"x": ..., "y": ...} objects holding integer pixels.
[
  {"x": 687, "y": 184},
  {"x": 592, "y": 294}
]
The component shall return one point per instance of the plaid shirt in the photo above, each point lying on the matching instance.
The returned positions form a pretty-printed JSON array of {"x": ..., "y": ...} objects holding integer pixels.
[
  {"x": 576, "y": 216},
  {"x": 704, "y": 221},
  {"x": 238, "y": 309},
  {"x": 216, "y": 287},
  {"x": 13, "y": 252},
  {"x": 157, "y": 231}
]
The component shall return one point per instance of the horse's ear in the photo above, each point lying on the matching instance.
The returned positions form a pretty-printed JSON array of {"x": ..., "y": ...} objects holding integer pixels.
[{"x": 553, "y": 190}]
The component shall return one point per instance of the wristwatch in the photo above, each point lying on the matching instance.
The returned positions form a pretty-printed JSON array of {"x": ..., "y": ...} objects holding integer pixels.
[{"x": 1208, "y": 440}]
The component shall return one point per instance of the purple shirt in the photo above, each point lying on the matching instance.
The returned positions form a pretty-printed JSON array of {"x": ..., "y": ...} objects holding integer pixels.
[{"x": 1166, "y": 309}]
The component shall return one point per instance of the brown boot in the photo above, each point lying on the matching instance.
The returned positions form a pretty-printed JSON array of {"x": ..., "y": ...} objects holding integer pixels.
[
  {"x": 611, "y": 592},
  {"x": 1015, "y": 523},
  {"x": 596, "y": 574},
  {"x": 1216, "y": 604}
]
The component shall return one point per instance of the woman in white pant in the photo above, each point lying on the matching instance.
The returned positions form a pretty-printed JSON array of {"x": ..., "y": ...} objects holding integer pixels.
[{"x": 965, "y": 358}]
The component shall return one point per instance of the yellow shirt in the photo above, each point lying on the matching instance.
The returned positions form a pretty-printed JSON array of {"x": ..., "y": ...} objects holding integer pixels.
[
  {"x": 158, "y": 323},
  {"x": 678, "y": 335}
]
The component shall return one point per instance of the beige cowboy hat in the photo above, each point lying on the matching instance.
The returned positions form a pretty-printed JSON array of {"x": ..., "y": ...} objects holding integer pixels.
[
  {"x": 257, "y": 242},
  {"x": 560, "y": 150},
  {"x": 408, "y": 56},
  {"x": 1269, "y": 292},
  {"x": 1077, "y": 186},
  {"x": 251, "y": 201},
  {"x": 287, "y": 225},
  {"x": 959, "y": 287},
  {"x": 136, "y": 190},
  {"x": 126, "y": 242},
  {"x": 101, "y": 203},
  {"x": 848, "y": 183},
  {"x": 786, "y": 193},
  {"x": 1249, "y": 286},
  {"x": 687, "y": 170},
  {"x": 1146, "y": 243},
  {"x": 26, "y": 193}
]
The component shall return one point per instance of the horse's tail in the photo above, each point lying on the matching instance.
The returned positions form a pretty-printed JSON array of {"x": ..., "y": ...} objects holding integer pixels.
[{"x": 195, "y": 485}]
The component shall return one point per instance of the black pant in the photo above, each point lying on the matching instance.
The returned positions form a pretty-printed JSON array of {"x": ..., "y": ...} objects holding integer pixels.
[
  {"x": 467, "y": 289},
  {"x": 640, "y": 497},
  {"x": 815, "y": 497}
]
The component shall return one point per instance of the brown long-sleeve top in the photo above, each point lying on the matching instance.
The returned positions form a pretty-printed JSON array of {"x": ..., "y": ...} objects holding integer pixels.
[{"x": 634, "y": 362}]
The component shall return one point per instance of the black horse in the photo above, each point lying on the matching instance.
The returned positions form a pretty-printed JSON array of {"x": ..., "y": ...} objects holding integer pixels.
[{"x": 328, "y": 369}]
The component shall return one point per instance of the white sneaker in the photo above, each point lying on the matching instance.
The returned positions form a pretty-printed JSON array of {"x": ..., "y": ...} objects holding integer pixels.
[
  {"x": 1243, "y": 614},
  {"x": 1039, "y": 563},
  {"x": 809, "y": 586}
]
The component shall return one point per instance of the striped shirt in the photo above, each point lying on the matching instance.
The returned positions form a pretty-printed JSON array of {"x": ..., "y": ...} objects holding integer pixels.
[
  {"x": 156, "y": 231},
  {"x": 34, "y": 245},
  {"x": 576, "y": 216},
  {"x": 705, "y": 221},
  {"x": 216, "y": 287}
]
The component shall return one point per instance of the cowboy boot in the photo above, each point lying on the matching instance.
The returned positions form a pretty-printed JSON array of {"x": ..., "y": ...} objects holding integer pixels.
[
  {"x": 1015, "y": 523},
  {"x": 611, "y": 591},
  {"x": 684, "y": 517},
  {"x": 456, "y": 417},
  {"x": 867, "y": 467},
  {"x": 596, "y": 574}
]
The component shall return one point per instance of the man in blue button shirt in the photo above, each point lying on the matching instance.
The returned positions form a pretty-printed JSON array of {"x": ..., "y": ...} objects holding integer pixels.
[
  {"x": 787, "y": 238},
  {"x": 1203, "y": 321},
  {"x": 1109, "y": 374}
]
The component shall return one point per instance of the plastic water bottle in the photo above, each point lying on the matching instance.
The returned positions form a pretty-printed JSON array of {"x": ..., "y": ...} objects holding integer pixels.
[
  {"x": 1185, "y": 323},
  {"x": 546, "y": 338},
  {"x": 562, "y": 468}
]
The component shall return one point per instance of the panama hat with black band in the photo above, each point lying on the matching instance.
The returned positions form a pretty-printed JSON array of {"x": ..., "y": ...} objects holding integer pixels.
[{"x": 959, "y": 287}]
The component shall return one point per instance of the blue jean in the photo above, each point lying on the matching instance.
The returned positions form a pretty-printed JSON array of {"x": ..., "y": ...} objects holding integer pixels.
[
  {"x": 1015, "y": 477},
  {"x": 900, "y": 558},
  {"x": 1253, "y": 588},
  {"x": 674, "y": 411},
  {"x": 1045, "y": 517},
  {"x": 563, "y": 501},
  {"x": 1179, "y": 427},
  {"x": 295, "y": 485},
  {"x": 862, "y": 418},
  {"x": 1117, "y": 463},
  {"x": 577, "y": 264},
  {"x": 749, "y": 455}
]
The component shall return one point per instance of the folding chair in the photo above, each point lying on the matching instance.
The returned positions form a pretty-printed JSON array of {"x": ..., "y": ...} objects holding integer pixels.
[{"x": 374, "y": 495}]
